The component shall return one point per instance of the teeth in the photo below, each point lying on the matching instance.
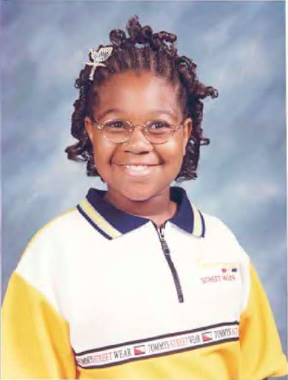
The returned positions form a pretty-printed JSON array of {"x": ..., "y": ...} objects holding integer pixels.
[{"x": 136, "y": 167}]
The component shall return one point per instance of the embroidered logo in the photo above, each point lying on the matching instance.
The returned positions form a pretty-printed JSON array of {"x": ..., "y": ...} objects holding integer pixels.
[{"x": 217, "y": 271}]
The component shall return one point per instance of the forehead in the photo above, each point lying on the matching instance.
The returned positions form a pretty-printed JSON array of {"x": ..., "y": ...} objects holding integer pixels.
[{"x": 137, "y": 94}]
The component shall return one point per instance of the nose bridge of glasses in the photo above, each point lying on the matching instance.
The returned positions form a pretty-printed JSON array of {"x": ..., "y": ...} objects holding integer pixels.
[{"x": 138, "y": 128}]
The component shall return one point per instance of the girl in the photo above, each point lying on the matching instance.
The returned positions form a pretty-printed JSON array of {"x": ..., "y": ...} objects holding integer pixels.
[{"x": 136, "y": 282}]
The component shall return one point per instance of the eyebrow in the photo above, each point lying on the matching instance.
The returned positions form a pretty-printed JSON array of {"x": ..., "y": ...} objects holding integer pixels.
[{"x": 111, "y": 110}]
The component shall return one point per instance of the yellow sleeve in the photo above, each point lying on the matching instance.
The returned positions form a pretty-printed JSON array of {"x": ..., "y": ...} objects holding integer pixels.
[
  {"x": 261, "y": 351},
  {"x": 35, "y": 337}
]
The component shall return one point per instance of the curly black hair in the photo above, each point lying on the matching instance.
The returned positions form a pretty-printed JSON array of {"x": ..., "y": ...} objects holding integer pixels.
[{"x": 143, "y": 50}]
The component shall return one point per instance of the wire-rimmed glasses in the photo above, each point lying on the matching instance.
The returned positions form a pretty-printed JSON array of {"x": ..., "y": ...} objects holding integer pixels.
[{"x": 155, "y": 131}]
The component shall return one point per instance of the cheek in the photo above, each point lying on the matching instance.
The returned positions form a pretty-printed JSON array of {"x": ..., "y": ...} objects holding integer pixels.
[
  {"x": 172, "y": 152},
  {"x": 103, "y": 152}
]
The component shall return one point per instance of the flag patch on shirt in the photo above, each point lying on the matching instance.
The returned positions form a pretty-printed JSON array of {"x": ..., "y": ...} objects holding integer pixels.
[
  {"x": 206, "y": 337},
  {"x": 139, "y": 350}
]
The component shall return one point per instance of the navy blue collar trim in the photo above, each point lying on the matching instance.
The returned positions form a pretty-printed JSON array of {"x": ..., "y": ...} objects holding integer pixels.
[{"x": 112, "y": 222}]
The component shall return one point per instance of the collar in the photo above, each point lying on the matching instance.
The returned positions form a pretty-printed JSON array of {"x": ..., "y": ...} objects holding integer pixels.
[{"x": 112, "y": 222}]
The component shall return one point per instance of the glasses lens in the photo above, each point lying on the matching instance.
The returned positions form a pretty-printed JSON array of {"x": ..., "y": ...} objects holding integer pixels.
[
  {"x": 159, "y": 131},
  {"x": 116, "y": 131}
]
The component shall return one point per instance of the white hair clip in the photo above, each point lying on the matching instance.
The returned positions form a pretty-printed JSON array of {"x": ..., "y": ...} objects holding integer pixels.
[{"x": 97, "y": 58}]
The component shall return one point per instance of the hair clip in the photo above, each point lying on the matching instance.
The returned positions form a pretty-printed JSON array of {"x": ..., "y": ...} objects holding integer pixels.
[{"x": 97, "y": 58}]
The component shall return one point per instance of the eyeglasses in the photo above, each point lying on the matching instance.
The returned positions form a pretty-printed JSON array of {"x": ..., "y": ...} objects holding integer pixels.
[{"x": 119, "y": 131}]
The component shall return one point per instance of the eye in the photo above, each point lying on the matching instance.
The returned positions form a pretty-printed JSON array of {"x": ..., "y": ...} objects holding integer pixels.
[
  {"x": 159, "y": 126},
  {"x": 116, "y": 124}
]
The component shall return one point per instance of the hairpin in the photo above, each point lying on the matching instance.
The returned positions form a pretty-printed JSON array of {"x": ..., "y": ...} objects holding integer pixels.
[{"x": 97, "y": 58}]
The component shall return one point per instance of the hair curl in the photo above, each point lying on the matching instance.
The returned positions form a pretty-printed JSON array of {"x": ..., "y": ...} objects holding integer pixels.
[{"x": 142, "y": 50}]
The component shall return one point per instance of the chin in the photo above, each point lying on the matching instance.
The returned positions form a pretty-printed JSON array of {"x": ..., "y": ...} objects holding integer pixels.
[
  {"x": 139, "y": 193},
  {"x": 138, "y": 196}
]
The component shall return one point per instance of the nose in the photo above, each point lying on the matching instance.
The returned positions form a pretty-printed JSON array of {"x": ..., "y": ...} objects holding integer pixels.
[{"x": 137, "y": 143}]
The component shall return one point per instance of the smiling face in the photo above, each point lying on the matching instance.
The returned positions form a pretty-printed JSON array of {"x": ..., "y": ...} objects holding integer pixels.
[{"x": 137, "y": 169}]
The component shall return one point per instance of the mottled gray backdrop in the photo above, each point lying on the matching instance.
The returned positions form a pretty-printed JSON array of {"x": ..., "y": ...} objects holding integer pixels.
[{"x": 239, "y": 49}]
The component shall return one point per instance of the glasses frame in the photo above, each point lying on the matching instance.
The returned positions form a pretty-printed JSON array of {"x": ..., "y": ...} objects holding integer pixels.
[{"x": 144, "y": 128}]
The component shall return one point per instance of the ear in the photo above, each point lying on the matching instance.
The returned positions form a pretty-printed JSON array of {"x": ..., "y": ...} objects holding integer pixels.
[
  {"x": 187, "y": 130},
  {"x": 89, "y": 127}
]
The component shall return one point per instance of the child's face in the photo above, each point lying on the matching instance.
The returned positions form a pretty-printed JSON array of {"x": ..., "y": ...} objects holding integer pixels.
[{"x": 138, "y": 98}]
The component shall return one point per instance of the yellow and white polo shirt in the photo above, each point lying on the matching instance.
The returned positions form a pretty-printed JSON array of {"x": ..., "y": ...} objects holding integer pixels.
[{"x": 102, "y": 294}]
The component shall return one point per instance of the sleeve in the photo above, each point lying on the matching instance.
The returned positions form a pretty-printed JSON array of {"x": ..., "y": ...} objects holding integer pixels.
[
  {"x": 261, "y": 351},
  {"x": 35, "y": 337}
]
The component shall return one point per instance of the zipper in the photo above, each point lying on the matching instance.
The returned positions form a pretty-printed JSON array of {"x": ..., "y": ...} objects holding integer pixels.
[{"x": 167, "y": 255}]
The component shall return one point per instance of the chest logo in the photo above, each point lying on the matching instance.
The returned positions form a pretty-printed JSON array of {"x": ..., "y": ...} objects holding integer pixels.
[{"x": 212, "y": 272}]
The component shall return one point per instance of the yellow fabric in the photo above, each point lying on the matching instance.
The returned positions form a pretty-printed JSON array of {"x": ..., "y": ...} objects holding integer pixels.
[
  {"x": 197, "y": 223},
  {"x": 261, "y": 352},
  {"x": 35, "y": 338}
]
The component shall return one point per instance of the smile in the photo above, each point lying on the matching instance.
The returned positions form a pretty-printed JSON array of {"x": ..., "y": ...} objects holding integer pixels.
[{"x": 138, "y": 170}]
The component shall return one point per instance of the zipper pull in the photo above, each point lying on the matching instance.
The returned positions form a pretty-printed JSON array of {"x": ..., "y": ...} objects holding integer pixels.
[
  {"x": 164, "y": 245},
  {"x": 161, "y": 232}
]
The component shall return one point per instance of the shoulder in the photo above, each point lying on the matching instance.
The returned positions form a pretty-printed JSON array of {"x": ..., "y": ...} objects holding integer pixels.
[
  {"x": 36, "y": 267},
  {"x": 218, "y": 234},
  {"x": 59, "y": 240},
  {"x": 55, "y": 252},
  {"x": 214, "y": 226},
  {"x": 58, "y": 227}
]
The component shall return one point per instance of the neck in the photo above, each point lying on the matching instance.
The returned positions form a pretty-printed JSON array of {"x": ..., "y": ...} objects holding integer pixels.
[{"x": 158, "y": 208}]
